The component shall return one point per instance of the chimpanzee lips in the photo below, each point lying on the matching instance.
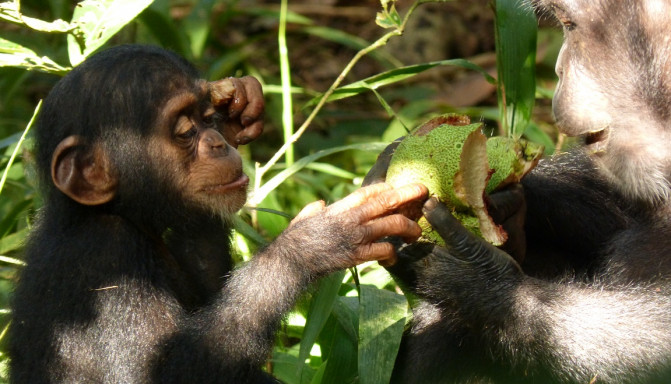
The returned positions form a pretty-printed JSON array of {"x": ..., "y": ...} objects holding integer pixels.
[
  {"x": 238, "y": 183},
  {"x": 596, "y": 141}
]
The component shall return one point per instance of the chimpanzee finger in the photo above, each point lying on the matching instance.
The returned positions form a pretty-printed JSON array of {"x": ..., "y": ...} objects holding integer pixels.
[
  {"x": 393, "y": 225},
  {"x": 505, "y": 203},
  {"x": 508, "y": 209},
  {"x": 391, "y": 201},
  {"x": 255, "y": 107},
  {"x": 383, "y": 253},
  {"x": 239, "y": 101},
  {"x": 357, "y": 198},
  {"x": 308, "y": 211},
  {"x": 249, "y": 133},
  {"x": 231, "y": 131},
  {"x": 464, "y": 245},
  {"x": 376, "y": 200},
  {"x": 378, "y": 173}
]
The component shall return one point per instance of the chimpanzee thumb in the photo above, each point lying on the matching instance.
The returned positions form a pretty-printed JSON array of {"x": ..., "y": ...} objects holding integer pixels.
[
  {"x": 378, "y": 173},
  {"x": 463, "y": 244}
]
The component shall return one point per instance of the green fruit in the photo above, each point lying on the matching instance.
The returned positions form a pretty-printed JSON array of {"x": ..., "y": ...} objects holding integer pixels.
[
  {"x": 456, "y": 162},
  {"x": 510, "y": 159},
  {"x": 431, "y": 159}
]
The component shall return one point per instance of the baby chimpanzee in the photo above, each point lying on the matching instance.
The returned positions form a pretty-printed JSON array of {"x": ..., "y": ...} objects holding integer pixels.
[
  {"x": 129, "y": 276},
  {"x": 591, "y": 301}
]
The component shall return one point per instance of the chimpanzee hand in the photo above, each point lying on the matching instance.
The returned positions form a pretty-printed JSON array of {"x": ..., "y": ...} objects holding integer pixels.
[
  {"x": 466, "y": 267},
  {"x": 240, "y": 101},
  {"x": 508, "y": 208},
  {"x": 346, "y": 233}
]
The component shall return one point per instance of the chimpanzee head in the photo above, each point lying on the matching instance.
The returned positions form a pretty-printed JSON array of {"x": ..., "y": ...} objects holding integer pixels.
[
  {"x": 614, "y": 88},
  {"x": 133, "y": 131}
]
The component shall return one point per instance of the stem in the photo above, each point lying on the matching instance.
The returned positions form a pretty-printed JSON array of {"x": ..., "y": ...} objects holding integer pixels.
[
  {"x": 18, "y": 146},
  {"x": 359, "y": 55},
  {"x": 285, "y": 75}
]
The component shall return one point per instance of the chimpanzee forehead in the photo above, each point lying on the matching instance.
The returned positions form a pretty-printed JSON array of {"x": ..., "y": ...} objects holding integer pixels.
[
  {"x": 184, "y": 100},
  {"x": 194, "y": 94}
]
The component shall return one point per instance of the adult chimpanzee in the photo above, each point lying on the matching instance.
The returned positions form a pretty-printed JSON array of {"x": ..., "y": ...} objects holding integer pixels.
[
  {"x": 129, "y": 276},
  {"x": 591, "y": 301}
]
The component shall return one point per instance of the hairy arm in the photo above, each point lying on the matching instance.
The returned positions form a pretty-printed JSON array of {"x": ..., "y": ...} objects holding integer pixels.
[{"x": 232, "y": 337}]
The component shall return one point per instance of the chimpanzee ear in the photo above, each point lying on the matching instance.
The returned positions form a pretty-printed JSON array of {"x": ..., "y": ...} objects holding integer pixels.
[{"x": 83, "y": 172}]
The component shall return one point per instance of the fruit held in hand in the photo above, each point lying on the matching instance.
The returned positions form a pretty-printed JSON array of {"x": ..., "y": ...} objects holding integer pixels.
[{"x": 458, "y": 164}]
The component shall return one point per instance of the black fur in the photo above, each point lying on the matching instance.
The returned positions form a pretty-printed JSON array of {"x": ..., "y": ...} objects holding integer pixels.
[
  {"x": 141, "y": 289},
  {"x": 591, "y": 302}
]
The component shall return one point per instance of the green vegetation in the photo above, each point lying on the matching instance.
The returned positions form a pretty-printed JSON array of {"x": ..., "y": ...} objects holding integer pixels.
[{"x": 348, "y": 328}]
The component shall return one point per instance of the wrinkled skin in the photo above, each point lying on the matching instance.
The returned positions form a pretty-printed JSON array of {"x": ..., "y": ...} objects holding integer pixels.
[{"x": 589, "y": 299}]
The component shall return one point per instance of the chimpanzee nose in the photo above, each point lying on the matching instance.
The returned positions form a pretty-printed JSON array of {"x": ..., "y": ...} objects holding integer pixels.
[{"x": 212, "y": 143}]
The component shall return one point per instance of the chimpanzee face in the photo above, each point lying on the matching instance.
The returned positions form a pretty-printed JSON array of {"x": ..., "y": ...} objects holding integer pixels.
[
  {"x": 189, "y": 140},
  {"x": 615, "y": 86}
]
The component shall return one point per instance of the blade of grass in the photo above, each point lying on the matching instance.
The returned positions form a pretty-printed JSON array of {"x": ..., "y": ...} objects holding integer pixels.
[
  {"x": 285, "y": 75},
  {"x": 319, "y": 312},
  {"x": 396, "y": 75},
  {"x": 516, "y": 30},
  {"x": 18, "y": 146},
  {"x": 260, "y": 171},
  {"x": 278, "y": 179}
]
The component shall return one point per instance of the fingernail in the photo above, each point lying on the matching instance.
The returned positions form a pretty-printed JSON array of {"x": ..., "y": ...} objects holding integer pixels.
[
  {"x": 430, "y": 204},
  {"x": 246, "y": 120},
  {"x": 243, "y": 140}
]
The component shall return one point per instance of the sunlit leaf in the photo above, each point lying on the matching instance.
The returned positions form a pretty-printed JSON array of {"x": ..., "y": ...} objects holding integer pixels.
[
  {"x": 15, "y": 55},
  {"x": 98, "y": 21},
  {"x": 278, "y": 179},
  {"x": 13, "y": 241},
  {"x": 11, "y": 12},
  {"x": 319, "y": 312},
  {"x": 382, "y": 317}
]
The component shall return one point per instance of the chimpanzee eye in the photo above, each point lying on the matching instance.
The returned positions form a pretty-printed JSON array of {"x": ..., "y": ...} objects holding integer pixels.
[
  {"x": 563, "y": 17},
  {"x": 188, "y": 134},
  {"x": 185, "y": 129}
]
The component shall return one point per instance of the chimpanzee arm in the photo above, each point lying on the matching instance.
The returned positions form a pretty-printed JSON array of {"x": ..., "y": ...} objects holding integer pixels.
[
  {"x": 230, "y": 339},
  {"x": 482, "y": 315}
]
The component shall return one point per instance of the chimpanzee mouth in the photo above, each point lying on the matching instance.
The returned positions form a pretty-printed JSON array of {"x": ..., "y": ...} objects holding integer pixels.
[
  {"x": 241, "y": 182},
  {"x": 596, "y": 141}
]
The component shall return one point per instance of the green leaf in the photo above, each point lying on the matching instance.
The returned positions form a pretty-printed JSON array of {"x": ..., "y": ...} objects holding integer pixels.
[
  {"x": 396, "y": 75},
  {"x": 197, "y": 26},
  {"x": 339, "y": 343},
  {"x": 98, "y": 21},
  {"x": 382, "y": 316},
  {"x": 14, "y": 241},
  {"x": 319, "y": 312},
  {"x": 278, "y": 179},
  {"x": 15, "y": 55},
  {"x": 7, "y": 223},
  {"x": 516, "y": 30},
  {"x": 535, "y": 134},
  {"x": 247, "y": 231},
  {"x": 11, "y": 12},
  {"x": 164, "y": 30}
]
